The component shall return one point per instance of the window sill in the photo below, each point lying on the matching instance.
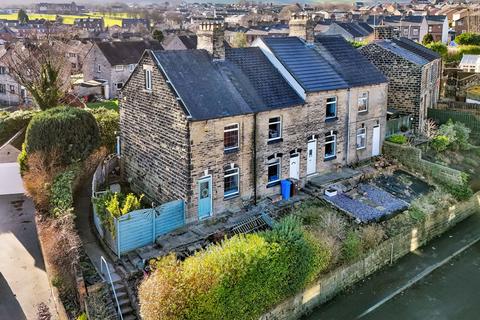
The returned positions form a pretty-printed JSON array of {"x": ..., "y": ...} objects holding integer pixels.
[
  {"x": 229, "y": 151},
  {"x": 330, "y": 158},
  {"x": 231, "y": 196},
  {"x": 273, "y": 184},
  {"x": 362, "y": 148},
  {"x": 275, "y": 141},
  {"x": 363, "y": 111},
  {"x": 331, "y": 119}
]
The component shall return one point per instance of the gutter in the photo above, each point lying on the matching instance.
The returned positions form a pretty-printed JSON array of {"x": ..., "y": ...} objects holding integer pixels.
[
  {"x": 347, "y": 140},
  {"x": 254, "y": 158}
]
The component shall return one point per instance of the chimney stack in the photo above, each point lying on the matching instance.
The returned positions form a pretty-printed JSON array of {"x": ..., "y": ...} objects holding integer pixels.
[
  {"x": 385, "y": 32},
  {"x": 301, "y": 25},
  {"x": 210, "y": 36}
]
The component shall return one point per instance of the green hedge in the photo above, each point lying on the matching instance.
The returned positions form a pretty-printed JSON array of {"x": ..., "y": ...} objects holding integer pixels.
[
  {"x": 12, "y": 122},
  {"x": 240, "y": 278},
  {"x": 108, "y": 122},
  {"x": 62, "y": 190},
  {"x": 72, "y": 131}
]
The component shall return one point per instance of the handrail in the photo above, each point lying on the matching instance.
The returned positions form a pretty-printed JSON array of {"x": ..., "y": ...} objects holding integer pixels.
[{"x": 104, "y": 262}]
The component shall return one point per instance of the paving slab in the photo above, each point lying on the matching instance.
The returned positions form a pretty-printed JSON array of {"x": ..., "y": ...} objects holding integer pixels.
[{"x": 10, "y": 179}]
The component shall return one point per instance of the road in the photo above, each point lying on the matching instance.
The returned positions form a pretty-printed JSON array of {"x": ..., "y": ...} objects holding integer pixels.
[
  {"x": 449, "y": 292},
  {"x": 23, "y": 280}
]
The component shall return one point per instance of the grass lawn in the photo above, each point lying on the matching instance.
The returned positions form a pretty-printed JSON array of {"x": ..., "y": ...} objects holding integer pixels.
[
  {"x": 110, "y": 104},
  {"x": 110, "y": 20}
]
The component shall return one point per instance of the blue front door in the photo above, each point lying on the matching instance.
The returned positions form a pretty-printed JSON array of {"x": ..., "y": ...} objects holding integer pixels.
[{"x": 205, "y": 198}]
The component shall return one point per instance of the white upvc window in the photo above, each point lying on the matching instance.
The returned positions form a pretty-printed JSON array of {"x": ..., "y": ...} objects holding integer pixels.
[
  {"x": 330, "y": 145},
  {"x": 361, "y": 138},
  {"x": 3, "y": 70},
  {"x": 274, "y": 128},
  {"x": 331, "y": 108},
  {"x": 274, "y": 171},
  {"x": 231, "y": 181},
  {"x": 119, "y": 68},
  {"x": 231, "y": 137},
  {"x": 363, "y": 102},
  {"x": 99, "y": 68},
  {"x": 119, "y": 85},
  {"x": 131, "y": 67},
  {"x": 148, "y": 78}
]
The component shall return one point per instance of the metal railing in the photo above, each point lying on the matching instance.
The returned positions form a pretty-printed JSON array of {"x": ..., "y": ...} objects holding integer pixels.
[{"x": 103, "y": 262}]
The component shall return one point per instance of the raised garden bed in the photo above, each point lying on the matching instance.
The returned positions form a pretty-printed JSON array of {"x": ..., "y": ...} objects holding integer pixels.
[{"x": 403, "y": 185}]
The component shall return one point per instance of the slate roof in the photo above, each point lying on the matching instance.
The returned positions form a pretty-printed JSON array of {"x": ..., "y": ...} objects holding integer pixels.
[
  {"x": 274, "y": 91},
  {"x": 409, "y": 50},
  {"x": 190, "y": 42},
  {"x": 305, "y": 64},
  {"x": 243, "y": 83},
  {"x": 355, "y": 29},
  {"x": 126, "y": 52},
  {"x": 347, "y": 61}
]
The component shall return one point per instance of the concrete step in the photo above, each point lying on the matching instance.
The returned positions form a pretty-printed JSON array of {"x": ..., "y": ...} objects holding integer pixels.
[
  {"x": 127, "y": 309},
  {"x": 124, "y": 302},
  {"x": 130, "y": 317}
]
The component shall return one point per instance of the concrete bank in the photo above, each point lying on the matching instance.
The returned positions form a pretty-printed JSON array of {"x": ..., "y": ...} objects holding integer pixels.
[{"x": 388, "y": 252}]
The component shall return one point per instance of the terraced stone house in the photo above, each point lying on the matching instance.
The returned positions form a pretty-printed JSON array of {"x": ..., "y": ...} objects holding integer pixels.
[
  {"x": 414, "y": 73},
  {"x": 222, "y": 127}
]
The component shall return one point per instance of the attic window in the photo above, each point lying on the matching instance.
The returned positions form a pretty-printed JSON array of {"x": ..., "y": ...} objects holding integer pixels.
[{"x": 148, "y": 79}]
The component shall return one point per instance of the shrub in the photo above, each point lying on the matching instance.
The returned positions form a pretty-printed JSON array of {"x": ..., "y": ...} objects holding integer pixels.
[
  {"x": 440, "y": 143},
  {"x": 397, "y": 138},
  {"x": 468, "y": 38},
  {"x": 62, "y": 190},
  {"x": 460, "y": 191},
  {"x": 416, "y": 214},
  {"x": 113, "y": 205},
  {"x": 371, "y": 236},
  {"x": 334, "y": 224},
  {"x": 438, "y": 47},
  {"x": 74, "y": 132},
  {"x": 12, "y": 122},
  {"x": 37, "y": 180},
  {"x": 240, "y": 278},
  {"x": 427, "y": 39},
  {"x": 22, "y": 160},
  {"x": 108, "y": 122},
  {"x": 352, "y": 247},
  {"x": 82, "y": 316}
]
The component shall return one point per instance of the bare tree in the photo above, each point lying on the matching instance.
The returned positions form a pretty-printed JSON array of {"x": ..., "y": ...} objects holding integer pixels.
[
  {"x": 41, "y": 66},
  {"x": 430, "y": 129}
]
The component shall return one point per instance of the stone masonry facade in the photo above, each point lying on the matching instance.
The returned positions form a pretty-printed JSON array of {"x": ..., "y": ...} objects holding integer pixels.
[
  {"x": 412, "y": 88},
  {"x": 154, "y": 138},
  {"x": 165, "y": 154}
]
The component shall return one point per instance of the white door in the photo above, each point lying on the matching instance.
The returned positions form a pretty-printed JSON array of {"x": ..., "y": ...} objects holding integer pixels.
[
  {"x": 376, "y": 141},
  {"x": 295, "y": 166},
  {"x": 312, "y": 157}
]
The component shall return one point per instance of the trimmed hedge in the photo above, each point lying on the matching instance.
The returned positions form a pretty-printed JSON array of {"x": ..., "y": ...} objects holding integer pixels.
[
  {"x": 62, "y": 190},
  {"x": 240, "y": 278},
  {"x": 12, "y": 122},
  {"x": 72, "y": 131},
  {"x": 108, "y": 122}
]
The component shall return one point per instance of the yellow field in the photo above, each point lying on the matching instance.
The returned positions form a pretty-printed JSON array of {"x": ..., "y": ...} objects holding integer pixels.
[{"x": 110, "y": 20}]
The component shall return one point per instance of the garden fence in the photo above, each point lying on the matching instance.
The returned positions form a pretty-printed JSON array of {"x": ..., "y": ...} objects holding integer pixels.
[
  {"x": 472, "y": 121},
  {"x": 398, "y": 125},
  {"x": 137, "y": 228}
]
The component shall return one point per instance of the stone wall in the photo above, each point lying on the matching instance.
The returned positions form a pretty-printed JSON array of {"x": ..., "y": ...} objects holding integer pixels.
[
  {"x": 387, "y": 252},
  {"x": 411, "y": 157},
  {"x": 154, "y": 135}
]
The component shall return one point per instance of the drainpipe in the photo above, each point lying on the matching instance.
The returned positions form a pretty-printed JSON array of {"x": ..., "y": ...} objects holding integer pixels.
[
  {"x": 254, "y": 158},
  {"x": 347, "y": 140}
]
